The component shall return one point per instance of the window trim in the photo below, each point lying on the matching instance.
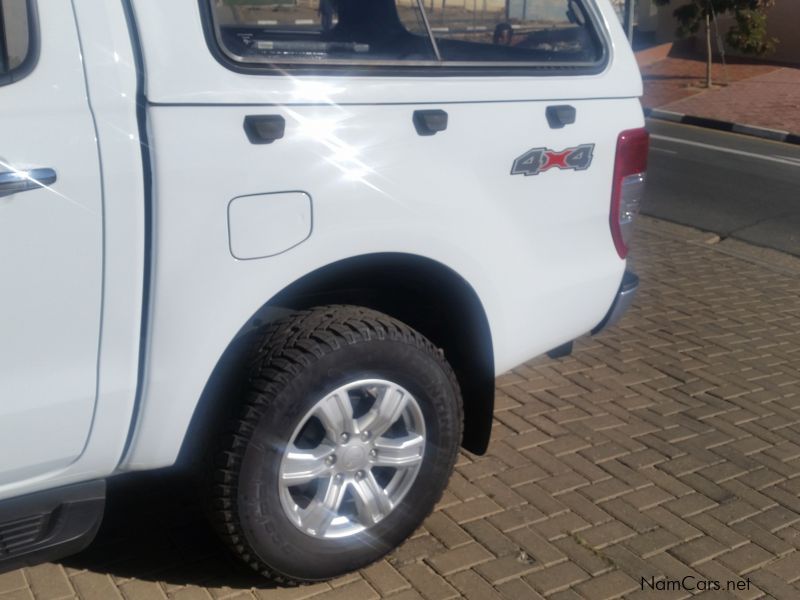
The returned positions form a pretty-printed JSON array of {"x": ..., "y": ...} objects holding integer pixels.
[
  {"x": 400, "y": 68},
  {"x": 34, "y": 46}
]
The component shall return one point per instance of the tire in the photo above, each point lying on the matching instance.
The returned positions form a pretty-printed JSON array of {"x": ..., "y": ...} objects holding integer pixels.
[{"x": 354, "y": 508}]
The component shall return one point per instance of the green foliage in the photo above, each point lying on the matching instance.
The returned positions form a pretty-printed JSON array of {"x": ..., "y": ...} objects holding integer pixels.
[{"x": 749, "y": 34}]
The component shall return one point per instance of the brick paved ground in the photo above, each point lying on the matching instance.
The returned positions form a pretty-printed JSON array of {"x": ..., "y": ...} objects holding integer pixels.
[
  {"x": 667, "y": 447},
  {"x": 677, "y": 77},
  {"x": 768, "y": 100},
  {"x": 759, "y": 94}
]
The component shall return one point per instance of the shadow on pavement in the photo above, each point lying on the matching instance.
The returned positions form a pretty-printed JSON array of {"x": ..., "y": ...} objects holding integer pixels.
[{"x": 154, "y": 530}]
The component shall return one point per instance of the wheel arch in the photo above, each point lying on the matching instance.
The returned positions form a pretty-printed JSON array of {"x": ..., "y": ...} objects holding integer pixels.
[{"x": 423, "y": 293}]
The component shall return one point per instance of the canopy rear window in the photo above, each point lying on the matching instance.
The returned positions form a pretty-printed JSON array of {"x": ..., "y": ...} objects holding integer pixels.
[{"x": 418, "y": 33}]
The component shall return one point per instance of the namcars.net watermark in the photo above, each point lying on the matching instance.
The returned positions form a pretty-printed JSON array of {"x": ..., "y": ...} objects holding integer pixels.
[{"x": 693, "y": 584}]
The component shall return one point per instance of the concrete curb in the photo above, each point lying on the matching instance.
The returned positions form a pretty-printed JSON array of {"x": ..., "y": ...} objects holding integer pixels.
[{"x": 751, "y": 130}]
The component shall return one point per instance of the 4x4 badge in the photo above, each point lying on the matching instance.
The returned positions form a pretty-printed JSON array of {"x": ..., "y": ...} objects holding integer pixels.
[{"x": 539, "y": 160}]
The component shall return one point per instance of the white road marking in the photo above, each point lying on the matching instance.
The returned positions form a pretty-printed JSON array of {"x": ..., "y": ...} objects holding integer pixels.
[
  {"x": 664, "y": 150},
  {"x": 794, "y": 159},
  {"x": 775, "y": 159}
]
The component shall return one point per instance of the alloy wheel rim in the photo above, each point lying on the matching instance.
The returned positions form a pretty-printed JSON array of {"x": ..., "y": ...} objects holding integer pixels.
[{"x": 352, "y": 459}]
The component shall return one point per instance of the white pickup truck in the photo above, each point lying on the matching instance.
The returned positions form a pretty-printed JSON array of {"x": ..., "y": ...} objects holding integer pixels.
[{"x": 290, "y": 243}]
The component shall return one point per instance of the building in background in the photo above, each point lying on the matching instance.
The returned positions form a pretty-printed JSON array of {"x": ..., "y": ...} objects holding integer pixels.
[{"x": 656, "y": 25}]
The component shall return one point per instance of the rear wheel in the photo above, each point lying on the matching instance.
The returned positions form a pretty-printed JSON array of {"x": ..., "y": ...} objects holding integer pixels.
[{"x": 347, "y": 436}]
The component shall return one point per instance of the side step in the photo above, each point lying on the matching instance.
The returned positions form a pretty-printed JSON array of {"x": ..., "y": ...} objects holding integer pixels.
[{"x": 50, "y": 524}]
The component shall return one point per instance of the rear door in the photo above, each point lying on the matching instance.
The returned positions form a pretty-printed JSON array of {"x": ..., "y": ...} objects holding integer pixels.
[{"x": 51, "y": 225}]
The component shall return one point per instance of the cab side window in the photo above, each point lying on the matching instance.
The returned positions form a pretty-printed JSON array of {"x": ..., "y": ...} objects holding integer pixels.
[
  {"x": 419, "y": 33},
  {"x": 16, "y": 40},
  {"x": 330, "y": 31},
  {"x": 533, "y": 31}
]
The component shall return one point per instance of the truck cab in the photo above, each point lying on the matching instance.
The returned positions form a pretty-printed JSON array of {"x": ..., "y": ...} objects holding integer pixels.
[{"x": 291, "y": 244}]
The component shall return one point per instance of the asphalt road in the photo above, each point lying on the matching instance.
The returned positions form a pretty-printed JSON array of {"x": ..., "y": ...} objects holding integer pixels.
[{"x": 733, "y": 185}]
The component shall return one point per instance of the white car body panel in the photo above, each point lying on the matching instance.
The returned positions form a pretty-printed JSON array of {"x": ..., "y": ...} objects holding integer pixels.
[
  {"x": 537, "y": 250},
  {"x": 51, "y": 270},
  {"x": 104, "y": 58}
]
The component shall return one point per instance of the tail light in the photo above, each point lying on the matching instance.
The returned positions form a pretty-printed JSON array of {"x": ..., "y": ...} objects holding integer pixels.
[{"x": 626, "y": 194}]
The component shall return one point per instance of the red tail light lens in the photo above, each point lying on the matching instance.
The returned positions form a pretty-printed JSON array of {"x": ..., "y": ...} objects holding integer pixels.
[{"x": 629, "y": 176}]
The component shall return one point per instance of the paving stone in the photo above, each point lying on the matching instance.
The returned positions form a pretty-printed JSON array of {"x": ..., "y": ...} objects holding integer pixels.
[
  {"x": 142, "y": 590},
  {"x": 671, "y": 568},
  {"x": 524, "y": 474},
  {"x": 733, "y": 512},
  {"x": 517, "y": 589},
  {"x": 787, "y": 568},
  {"x": 606, "y": 587},
  {"x": 540, "y": 499},
  {"x": 446, "y": 530},
  {"x": 587, "y": 509},
  {"x": 634, "y": 518},
  {"x": 460, "y": 558},
  {"x": 557, "y": 578},
  {"x": 429, "y": 584},
  {"x": 542, "y": 551},
  {"x": 756, "y": 499},
  {"x": 758, "y": 535},
  {"x": 519, "y": 516},
  {"x": 586, "y": 469},
  {"x": 561, "y": 525},
  {"x": 545, "y": 460},
  {"x": 707, "y": 488},
  {"x": 409, "y": 594},
  {"x": 606, "y": 490},
  {"x": 594, "y": 563},
  {"x": 606, "y": 534},
  {"x": 789, "y": 500},
  {"x": 698, "y": 551},
  {"x": 385, "y": 578},
  {"x": 627, "y": 562},
  {"x": 191, "y": 593},
  {"x": 776, "y": 518},
  {"x": 49, "y": 582},
  {"x": 772, "y": 585},
  {"x": 653, "y": 542},
  {"x": 12, "y": 581},
  {"x": 690, "y": 505},
  {"x": 727, "y": 536},
  {"x": 560, "y": 484},
  {"x": 316, "y": 590},
  {"x": 528, "y": 440},
  {"x": 473, "y": 587},
  {"x": 745, "y": 558},
  {"x": 501, "y": 493},
  {"x": 21, "y": 594},
  {"x": 680, "y": 527},
  {"x": 95, "y": 586},
  {"x": 621, "y": 472},
  {"x": 649, "y": 497},
  {"x": 415, "y": 550},
  {"x": 473, "y": 509},
  {"x": 358, "y": 589},
  {"x": 505, "y": 568},
  {"x": 566, "y": 595}
]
